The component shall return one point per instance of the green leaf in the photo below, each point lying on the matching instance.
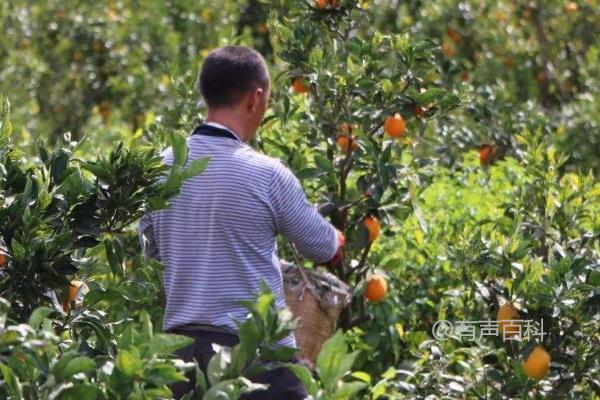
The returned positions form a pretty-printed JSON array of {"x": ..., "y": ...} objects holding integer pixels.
[
  {"x": 38, "y": 315},
  {"x": 282, "y": 353},
  {"x": 180, "y": 149},
  {"x": 58, "y": 165},
  {"x": 165, "y": 344},
  {"x": 110, "y": 246},
  {"x": 323, "y": 163},
  {"x": 195, "y": 167},
  {"x": 217, "y": 366},
  {"x": 74, "y": 366},
  {"x": 173, "y": 182},
  {"x": 332, "y": 361},
  {"x": 305, "y": 376},
  {"x": 129, "y": 362},
  {"x": 262, "y": 304},
  {"x": 127, "y": 338},
  {"x": 163, "y": 375},
  {"x": 430, "y": 95},
  {"x": 349, "y": 390},
  {"x": 18, "y": 250},
  {"x": 99, "y": 171},
  {"x": 305, "y": 173},
  {"x": 81, "y": 391},
  {"x": 146, "y": 324},
  {"x": 363, "y": 376},
  {"x": 11, "y": 381}
]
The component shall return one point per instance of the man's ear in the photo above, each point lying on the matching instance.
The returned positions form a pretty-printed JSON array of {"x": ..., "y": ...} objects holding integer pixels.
[
  {"x": 253, "y": 99},
  {"x": 259, "y": 93}
]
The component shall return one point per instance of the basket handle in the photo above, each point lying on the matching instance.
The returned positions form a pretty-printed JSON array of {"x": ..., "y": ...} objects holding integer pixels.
[{"x": 299, "y": 261}]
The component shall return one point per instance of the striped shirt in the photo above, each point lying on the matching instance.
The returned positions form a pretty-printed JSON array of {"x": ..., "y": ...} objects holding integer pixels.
[{"x": 217, "y": 239}]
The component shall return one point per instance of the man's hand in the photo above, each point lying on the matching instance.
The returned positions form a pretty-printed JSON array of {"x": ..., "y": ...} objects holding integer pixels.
[{"x": 339, "y": 255}]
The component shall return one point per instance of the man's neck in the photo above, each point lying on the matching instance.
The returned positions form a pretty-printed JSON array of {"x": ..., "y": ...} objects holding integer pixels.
[{"x": 230, "y": 123}]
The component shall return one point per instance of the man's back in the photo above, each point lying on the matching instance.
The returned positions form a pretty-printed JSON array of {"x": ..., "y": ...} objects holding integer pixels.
[{"x": 217, "y": 240}]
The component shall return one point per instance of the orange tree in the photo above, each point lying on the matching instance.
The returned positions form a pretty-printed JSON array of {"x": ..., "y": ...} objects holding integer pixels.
[
  {"x": 56, "y": 208},
  {"x": 355, "y": 107},
  {"x": 103, "y": 63},
  {"x": 530, "y": 239},
  {"x": 522, "y": 64}
]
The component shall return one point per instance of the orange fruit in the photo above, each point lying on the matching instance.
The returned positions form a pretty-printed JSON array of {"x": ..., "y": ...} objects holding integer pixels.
[
  {"x": 453, "y": 34},
  {"x": 394, "y": 125},
  {"x": 506, "y": 313},
  {"x": 321, "y": 4},
  {"x": 373, "y": 227},
  {"x": 72, "y": 293},
  {"x": 572, "y": 7},
  {"x": 464, "y": 76},
  {"x": 346, "y": 128},
  {"x": 537, "y": 363},
  {"x": 3, "y": 260},
  {"x": 509, "y": 62},
  {"x": 344, "y": 141},
  {"x": 419, "y": 112},
  {"x": 376, "y": 288},
  {"x": 300, "y": 86},
  {"x": 448, "y": 48},
  {"x": 487, "y": 153}
]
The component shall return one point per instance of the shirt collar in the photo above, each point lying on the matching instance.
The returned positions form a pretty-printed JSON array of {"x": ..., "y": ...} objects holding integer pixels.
[{"x": 220, "y": 126}]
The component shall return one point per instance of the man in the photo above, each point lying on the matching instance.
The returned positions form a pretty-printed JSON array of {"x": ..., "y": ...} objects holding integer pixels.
[{"x": 217, "y": 240}]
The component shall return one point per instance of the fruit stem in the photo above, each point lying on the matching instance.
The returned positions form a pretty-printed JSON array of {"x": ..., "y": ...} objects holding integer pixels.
[{"x": 363, "y": 261}]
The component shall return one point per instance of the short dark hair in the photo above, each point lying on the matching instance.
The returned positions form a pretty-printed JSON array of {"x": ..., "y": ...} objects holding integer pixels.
[{"x": 230, "y": 71}]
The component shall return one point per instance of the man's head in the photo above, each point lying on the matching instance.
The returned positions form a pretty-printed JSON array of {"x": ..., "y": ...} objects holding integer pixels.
[{"x": 235, "y": 84}]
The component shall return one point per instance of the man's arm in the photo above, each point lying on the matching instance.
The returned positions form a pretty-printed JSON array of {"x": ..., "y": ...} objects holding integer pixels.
[
  {"x": 298, "y": 220},
  {"x": 147, "y": 241}
]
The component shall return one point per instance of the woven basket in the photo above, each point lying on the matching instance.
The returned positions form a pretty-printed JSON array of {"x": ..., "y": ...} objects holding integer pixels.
[{"x": 317, "y": 299}]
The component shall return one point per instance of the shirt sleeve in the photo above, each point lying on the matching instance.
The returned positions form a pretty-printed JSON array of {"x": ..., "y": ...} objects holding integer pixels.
[
  {"x": 298, "y": 220},
  {"x": 147, "y": 240}
]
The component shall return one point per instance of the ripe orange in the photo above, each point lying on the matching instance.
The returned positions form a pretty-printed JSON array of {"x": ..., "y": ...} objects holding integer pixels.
[
  {"x": 72, "y": 293},
  {"x": 262, "y": 28},
  {"x": 537, "y": 364},
  {"x": 453, "y": 34},
  {"x": 394, "y": 125},
  {"x": 376, "y": 288},
  {"x": 509, "y": 62},
  {"x": 346, "y": 128},
  {"x": 78, "y": 56},
  {"x": 448, "y": 48},
  {"x": 419, "y": 112},
  {"x": 300, "y": 86},
  {"x": 487, "y": 152},
  {"x": 506, "y": 313},
  {"x": 344, "y": 141},
  {"x": 572, "y": 7},
  {"x": 3, "y": 260},
  {"x": 321, "y": 4},
  {"x": 373, "y": 227}
]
